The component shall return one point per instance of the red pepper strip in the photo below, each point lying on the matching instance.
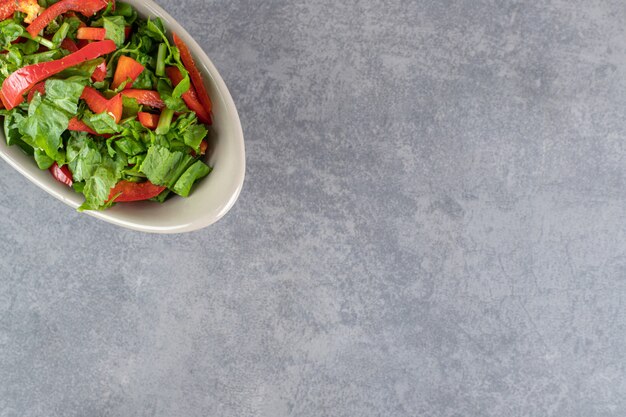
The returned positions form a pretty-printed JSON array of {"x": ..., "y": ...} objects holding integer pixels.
[
  {"x": 85, "y": 7},
  {"x": 190, "y": 97},
  {"x": 146, "y": 97},
  {"x": 133, "y": 191},
  {"x": 115, "y": 107},
  {"x": 22, "y": 80},
  {"x": 148, "y": 120},
  {"x": 39, "y": 87},
  {"x": 97, "y": 34},
  {"x": 62, "y": 174},
  {"x": 91, "y": 34},
  {"x": 80, "y": 126},
  {"x": 97, "y": 103},
  {"x": 196, "y": 77},
  {"x": 126, "y": 68},
  {"x": 100, "y": 73},
  {"x": 69, "y": 45}
]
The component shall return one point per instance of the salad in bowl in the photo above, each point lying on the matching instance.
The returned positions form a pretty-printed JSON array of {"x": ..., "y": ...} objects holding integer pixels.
[{"x": 112, "y": 104}]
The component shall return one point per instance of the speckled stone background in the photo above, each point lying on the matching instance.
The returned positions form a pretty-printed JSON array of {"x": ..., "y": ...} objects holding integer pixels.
[{"x": 432, "y": 224}]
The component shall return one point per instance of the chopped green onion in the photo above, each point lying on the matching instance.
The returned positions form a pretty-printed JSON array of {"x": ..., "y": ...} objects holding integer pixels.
[
  {"x": 61, "y": 34},
  {"x": 43, "y": 41},
  {"x": 160, "y": 65},
  {"x": 165, "y": 122}
]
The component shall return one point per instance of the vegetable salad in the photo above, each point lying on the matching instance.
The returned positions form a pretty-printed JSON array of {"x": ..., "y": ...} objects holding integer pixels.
[{"x": 103, "y": 99}]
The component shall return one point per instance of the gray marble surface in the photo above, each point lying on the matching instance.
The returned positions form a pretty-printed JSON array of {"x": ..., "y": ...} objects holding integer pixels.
[{"x": 432, "y": 225}]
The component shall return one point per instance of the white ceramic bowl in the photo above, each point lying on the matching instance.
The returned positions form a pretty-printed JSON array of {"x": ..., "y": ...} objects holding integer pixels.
[{"x": 212, "y": 197}]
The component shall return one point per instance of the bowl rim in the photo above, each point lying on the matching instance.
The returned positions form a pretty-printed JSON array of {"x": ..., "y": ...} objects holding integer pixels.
[{"x": 239, "y": 171}]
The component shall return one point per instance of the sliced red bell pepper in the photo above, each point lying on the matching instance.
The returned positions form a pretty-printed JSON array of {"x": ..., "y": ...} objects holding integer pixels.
[
  {"x": 115, "y": 107},
  {"x": 97, "y": 34},
  {"x": 39, "y": 87},
  {"x": 80, "y": 126},
  {"x": 97, "y": 103},
  {"x": 204, "y": 145},
  {"x": 190, "y": 97},
  {"x": 194, "y": 74},
  {"x": 91, "y": 34},
  {"x": 69, "y": 45},
  {"x": 62, "y": 174},
  {"x": 85, "y": 7},
  {"x": 22, "y": 80},
  {"x": 148, "y": 120},
  {"x": 127, "y": 68},
  {"x": 133, "y": 191},
  {"x": 100, "y": 73},
  {"x": 146, "y": 97}
]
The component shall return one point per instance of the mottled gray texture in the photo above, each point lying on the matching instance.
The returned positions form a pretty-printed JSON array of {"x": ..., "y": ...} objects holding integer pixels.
[{"x": 432, "y": 224}]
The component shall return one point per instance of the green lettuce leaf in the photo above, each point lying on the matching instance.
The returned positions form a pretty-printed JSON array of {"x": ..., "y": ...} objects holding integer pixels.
[
  {"x": 163, "y": 167},
  {"x": 48, "y": 117},
  {"x": 114, "y": 26},
  {"x": 98, "y": 187},
  {"x": 166, "y": 92},
  {"x": 90, "y": 163},
  {"x": 102, "y": 123},
  {"x": 84, "y": 156},
  {"x": 43, "y": 160},
  {"x": 44, "y": 126},
  {"x": 66, "y": 93},
  {"x": 9, "y": 32}
]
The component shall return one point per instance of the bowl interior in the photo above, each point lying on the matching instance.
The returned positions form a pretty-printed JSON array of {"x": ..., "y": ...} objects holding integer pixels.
[{"x": 211, "y": 198}]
